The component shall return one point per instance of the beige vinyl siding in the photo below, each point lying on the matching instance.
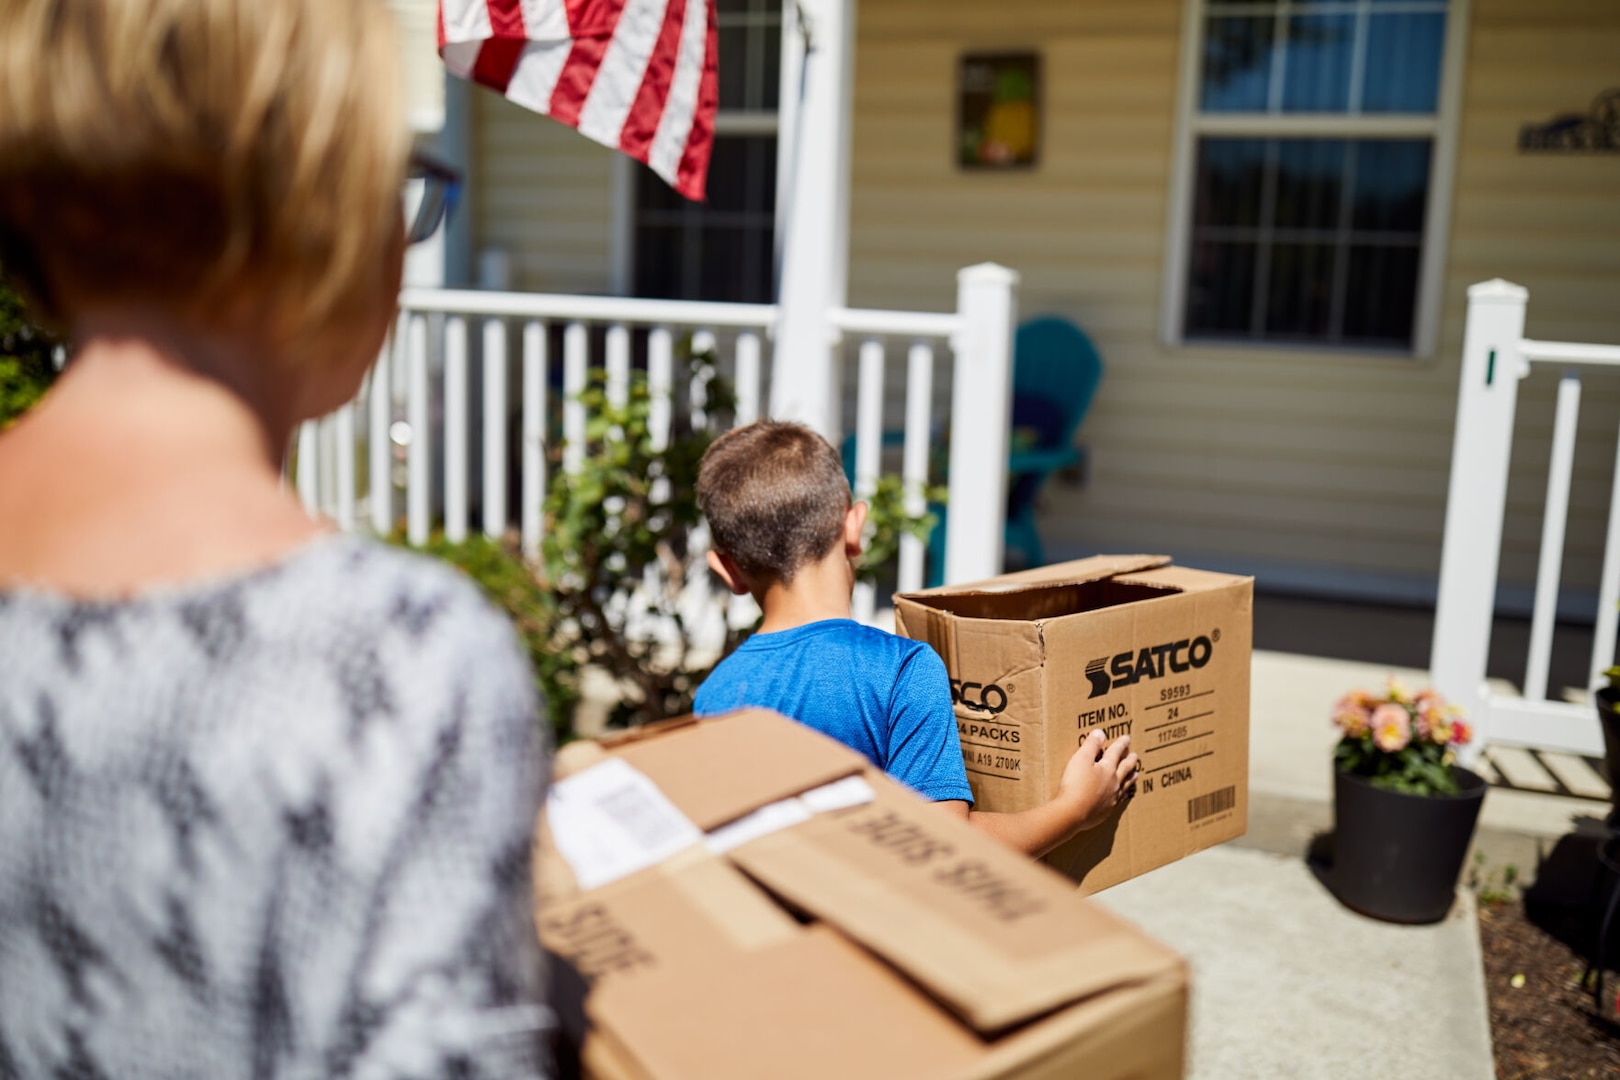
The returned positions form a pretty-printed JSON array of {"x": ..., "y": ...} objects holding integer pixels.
[
  {"x": 1264, "y": 455},
  {"x": 543, "y": 193},
  {"x": 424, "y": 74}
]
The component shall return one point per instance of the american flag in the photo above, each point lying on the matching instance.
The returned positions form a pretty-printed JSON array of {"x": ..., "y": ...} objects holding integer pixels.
[{"x": 636, "y": 75}]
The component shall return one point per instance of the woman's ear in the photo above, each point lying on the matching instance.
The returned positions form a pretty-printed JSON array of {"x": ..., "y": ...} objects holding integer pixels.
[
  {"x": 728, "y": 572},
  {"x": 854, "y": 526}
]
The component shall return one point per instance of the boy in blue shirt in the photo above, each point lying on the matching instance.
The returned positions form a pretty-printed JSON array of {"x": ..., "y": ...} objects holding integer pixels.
[{"x": 784, "y": 530}]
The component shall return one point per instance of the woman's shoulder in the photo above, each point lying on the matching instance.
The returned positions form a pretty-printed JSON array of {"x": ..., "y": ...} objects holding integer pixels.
[{"x": 365, "y": 593}]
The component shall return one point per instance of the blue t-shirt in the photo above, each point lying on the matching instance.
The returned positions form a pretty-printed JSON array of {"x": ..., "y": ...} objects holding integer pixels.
[{"x": 883, "y": 695}]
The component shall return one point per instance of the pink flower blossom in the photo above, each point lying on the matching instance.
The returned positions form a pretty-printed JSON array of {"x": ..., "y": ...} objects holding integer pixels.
[
  {"x": 1391, "y": 728},
  {"x": 1365, "y": 699},
  {"x": 1428, "y": 698},
  {"x": 1352, "y": 717},
  {"x": 1434, "y": 724},
  {"x": 1462, "y": 732}
]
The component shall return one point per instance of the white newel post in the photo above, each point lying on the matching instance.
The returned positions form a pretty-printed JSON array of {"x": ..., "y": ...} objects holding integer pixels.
[
  {"x": 812, "y": 207},
  {"x": 981, "y": 414},
  {"x": 1486, "y": 397}
]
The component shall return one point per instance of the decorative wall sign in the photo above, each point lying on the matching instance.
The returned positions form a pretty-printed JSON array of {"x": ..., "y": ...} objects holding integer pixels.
[
  {"x": 998, "y": 112},
  {"x": 1596, "y": 132}
]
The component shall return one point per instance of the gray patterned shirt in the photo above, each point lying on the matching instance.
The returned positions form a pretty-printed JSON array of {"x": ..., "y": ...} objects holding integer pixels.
[{"x": 276, "y": 825}]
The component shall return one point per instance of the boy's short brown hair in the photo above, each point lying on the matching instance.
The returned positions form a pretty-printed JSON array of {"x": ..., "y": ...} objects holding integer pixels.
[{"x": 775, "y": 496}]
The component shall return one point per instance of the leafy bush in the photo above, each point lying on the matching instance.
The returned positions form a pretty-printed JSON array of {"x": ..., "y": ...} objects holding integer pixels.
[
  {"x": 26, "y": 367},
  {"x": 620, "y": 549}
]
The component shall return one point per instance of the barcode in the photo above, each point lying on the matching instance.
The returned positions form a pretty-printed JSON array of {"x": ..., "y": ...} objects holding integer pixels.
[
  {"x": 648, "y": 823},
  {"x": 1216, "y": 801}
]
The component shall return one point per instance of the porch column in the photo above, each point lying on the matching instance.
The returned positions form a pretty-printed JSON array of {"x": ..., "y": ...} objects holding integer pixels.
[{"x": 812, "y": 208}]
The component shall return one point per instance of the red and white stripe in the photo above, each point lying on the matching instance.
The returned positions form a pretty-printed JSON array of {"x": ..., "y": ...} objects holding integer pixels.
[{"x": 637, "y": 75}]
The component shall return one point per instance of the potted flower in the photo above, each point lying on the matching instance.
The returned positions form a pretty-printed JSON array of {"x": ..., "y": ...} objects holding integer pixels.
[{"x": 1404, "y": 811}]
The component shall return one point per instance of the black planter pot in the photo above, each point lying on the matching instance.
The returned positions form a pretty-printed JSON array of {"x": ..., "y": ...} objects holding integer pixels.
[
  {"x": 1397, "y": 856},
  {"x": 1607, "y": 697}
]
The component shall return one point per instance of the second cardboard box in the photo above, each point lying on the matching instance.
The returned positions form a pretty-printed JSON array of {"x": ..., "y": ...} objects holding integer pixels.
[{"x": 1125, "y": 643}]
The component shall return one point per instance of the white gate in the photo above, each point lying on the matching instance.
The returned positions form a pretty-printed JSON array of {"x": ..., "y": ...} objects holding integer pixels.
[{"x": 1496, "y": 356}]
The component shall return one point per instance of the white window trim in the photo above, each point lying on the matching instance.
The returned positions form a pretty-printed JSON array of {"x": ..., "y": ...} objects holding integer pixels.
[{"x": 1442, "y": 127}]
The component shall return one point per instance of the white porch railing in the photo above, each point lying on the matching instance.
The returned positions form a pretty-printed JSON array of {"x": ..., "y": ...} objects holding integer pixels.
[
  {"x": 418, "y": 396},
  {"x": 1496, "y": 355}
]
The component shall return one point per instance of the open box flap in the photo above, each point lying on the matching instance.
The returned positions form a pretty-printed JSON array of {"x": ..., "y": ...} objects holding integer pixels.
[
  {"x": 717, "y": 770},
  {"x": 1068, "y": 573},
  {"x": 995, "y": 938}
]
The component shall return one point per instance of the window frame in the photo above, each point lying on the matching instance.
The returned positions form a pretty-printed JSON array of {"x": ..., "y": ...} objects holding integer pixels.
[
  {"x": 1190, "y": 124},
  {"x": 626, "y": 213}
]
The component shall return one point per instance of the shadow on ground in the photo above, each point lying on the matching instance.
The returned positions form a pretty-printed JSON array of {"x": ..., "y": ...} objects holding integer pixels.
[{"x": 1572, "y": 890}]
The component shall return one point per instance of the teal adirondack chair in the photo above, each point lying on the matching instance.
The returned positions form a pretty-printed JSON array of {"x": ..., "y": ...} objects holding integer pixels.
[{"x": 1056, "y": 370}]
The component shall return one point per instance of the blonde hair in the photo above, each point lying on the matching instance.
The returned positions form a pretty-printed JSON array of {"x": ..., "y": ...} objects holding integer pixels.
[{"x": 219, "y": 159}]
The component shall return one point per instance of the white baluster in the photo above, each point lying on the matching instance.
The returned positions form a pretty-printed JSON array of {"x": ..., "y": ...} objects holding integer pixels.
[
  {"x": 869, "y": 419},
  {"x": 914, "y": 466},
  {"x": 534, "y": 436},
  {"x": 576, "y": 361},
  {"x": 379, "y": 437},
  {"x": 455, "y": 429},
  {"x": 747, "y": 377},
  {"x": 418, "y": 460},
  {"x": 343, "y": 437},
  {"x": 618, "y": 364},
  {"x": 307, "y": 474},
  {"x": 1553, "y": 522},
  {"x": 660, "y": 385},
  {"x": 494, "y": 428},
  {"x": 703, "y": 341},
  {"x": 868, "y": 451}
]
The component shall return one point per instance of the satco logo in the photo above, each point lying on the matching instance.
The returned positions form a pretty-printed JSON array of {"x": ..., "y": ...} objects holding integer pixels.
[
  {"x": 1129, "y": 668},
  {"x": 979, "y": 697}
]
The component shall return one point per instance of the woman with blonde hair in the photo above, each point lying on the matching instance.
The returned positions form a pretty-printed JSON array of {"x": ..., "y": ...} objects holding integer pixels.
[{"x": 266, "y": 792}]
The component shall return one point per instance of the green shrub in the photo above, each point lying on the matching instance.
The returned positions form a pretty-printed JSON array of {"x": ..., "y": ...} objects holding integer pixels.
[{"x": 26, "y": 367}]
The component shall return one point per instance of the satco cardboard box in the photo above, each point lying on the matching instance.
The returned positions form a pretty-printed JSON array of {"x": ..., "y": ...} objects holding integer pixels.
[
  {"x": 793, "y": 913},
  {"x": 1125, "y": 643}
]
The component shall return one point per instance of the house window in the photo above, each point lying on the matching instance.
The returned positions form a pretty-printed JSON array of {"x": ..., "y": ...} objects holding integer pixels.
[
  {"x": 1312, "y": 139},
  {"x": 722, "y": 249}
]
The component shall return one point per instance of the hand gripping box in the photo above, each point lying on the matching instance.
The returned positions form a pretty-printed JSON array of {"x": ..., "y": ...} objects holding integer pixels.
[
  {"x": 741, "y": 897},
  {"x": 1125, "y": 643}
]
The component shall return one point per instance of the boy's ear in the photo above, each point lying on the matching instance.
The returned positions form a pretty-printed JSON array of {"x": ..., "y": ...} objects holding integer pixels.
[
  {"x": 728, "y": 572},
  {"x": 854, "y": 525}
]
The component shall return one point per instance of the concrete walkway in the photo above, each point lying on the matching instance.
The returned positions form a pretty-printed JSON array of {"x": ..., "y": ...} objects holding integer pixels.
[{"x": 1289, "y": 984}]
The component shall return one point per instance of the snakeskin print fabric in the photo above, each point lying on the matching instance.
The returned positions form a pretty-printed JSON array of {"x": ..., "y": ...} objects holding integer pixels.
[{"x": 273, "y": 826}]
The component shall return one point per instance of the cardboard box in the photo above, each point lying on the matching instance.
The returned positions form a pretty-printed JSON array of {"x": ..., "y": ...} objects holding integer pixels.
[
  {"x": 1126, "y": 643},
  {"x": 827, "y": 922}
]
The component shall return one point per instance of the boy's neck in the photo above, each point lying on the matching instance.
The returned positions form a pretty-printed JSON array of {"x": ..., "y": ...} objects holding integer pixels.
[{"x": 819, "y": 591}]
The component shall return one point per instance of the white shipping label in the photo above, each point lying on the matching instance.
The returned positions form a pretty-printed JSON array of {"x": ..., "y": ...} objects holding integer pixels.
[
  {"x": 610, "y": 820},
  {"x": 838, "y": 795},
  {"x": 765, "y": 820}
]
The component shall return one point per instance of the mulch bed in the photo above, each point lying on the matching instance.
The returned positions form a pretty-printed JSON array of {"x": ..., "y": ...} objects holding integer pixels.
[{"x": 1547, "y": 1026}]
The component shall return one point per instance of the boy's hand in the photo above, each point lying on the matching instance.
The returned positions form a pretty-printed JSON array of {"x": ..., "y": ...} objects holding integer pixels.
[{"x": 1097, "y": 778}]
